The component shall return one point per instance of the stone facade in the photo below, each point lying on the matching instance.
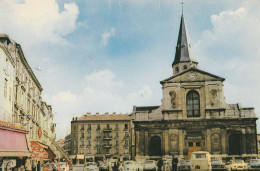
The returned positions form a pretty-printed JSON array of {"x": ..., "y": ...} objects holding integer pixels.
[
  {"x": 101, "y": 136},
  {"x": 193, "y": 115}
]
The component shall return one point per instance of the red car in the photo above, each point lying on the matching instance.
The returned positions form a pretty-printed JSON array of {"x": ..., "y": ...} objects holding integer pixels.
[{"x": 51, "y": 166}]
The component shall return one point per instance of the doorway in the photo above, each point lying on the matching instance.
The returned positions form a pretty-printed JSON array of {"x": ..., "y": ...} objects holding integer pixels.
[
  {"x": 155, "y": 146},
  {"x": 193, "y": 146},
  {"x": 234, "y": 144}
]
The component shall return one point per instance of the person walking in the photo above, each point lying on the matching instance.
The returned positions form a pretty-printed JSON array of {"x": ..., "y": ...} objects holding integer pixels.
[
  {"x": 34, "y": 165},
  {"x": 174, "y": 163},
  {"x": 28, "y": 165},
  {"x": 39, "y": 166}
]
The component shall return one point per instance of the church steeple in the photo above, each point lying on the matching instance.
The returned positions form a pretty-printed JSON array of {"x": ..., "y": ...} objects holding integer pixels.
[{"x": 184, "y": 57}]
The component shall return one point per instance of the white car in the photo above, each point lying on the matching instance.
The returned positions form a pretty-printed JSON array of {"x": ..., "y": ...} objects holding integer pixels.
[
  {"x": 64, "y": 166},
  {"x": 150, "y": 165},
  {"x": 200, "y": 160},
  {"x": 254, "y": 164},
  {"x": 237, "y": 164},
  {"x": 139, "y": 166},
  {"x": 128, "y": 166},
  {"x": 91, "y": 166}
]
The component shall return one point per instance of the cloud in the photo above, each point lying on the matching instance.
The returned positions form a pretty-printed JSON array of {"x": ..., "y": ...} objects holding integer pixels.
[
  {"x": 37, "y": 21},
  {"x": 231, "y": 47},
  {"x": 106, "y": 36},
  {"x": 101, "y": 92}
]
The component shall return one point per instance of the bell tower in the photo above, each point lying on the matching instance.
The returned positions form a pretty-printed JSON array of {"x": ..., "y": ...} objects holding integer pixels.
[{"x": 184, "y": 57}]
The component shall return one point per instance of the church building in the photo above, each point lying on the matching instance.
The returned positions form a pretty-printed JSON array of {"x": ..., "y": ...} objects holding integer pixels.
[{"x": 194, "y": 115}]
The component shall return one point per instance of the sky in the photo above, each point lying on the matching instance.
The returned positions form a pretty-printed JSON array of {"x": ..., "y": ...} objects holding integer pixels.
[{"x": 109, "y": 55}]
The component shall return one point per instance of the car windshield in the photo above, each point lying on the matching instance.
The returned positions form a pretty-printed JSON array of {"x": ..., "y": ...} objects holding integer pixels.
[
  {"x": 91, "y": 164},
  {"x": 149, "y": 162},
  {"x": 255, "y": 161},
  {"x": 238, "y": 161},
  {"x": 50, "y": 166},
  {"x": 185, "y": 161},
  {"x": 200, "y": 156},
  {"x": 129, "y": 162},
  {"x": 216, "y": 162}
]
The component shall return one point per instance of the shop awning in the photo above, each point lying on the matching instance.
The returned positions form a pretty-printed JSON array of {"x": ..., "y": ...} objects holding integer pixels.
[
  {"x": 39, "y": 150},
  {"x": 13, "y": 144},
  {"x": 51, "y": 154}
]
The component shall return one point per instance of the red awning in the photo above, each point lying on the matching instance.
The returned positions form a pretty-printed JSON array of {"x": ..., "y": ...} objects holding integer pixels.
[
  {"x": 39, "y": 150},
  {"x": 50, "y": 153},
  {"x": 13, "y": 143}
]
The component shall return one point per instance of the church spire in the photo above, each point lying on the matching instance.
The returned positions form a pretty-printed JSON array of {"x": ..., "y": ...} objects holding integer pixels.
[{"x": 184, "y": 57}]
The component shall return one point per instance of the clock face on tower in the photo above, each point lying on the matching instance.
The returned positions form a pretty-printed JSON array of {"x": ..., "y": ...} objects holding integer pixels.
[{"x": 192, "y": 76}]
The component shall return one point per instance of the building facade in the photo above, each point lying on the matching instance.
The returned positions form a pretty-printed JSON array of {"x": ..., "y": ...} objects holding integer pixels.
[
  {"x": 193, "y": 115},
  {"x": 20, "y": 99},
  {"x": 101, "y": 136}
]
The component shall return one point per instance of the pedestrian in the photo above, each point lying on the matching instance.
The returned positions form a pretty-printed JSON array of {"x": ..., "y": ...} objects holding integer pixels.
[
  {"x": 54, "y": 165},
  {"x": 39, "y": 166},
  {"x": 159, "y": 164},
  {"x": 28, "y": 165},
  {"x": 174, "y": 163},
  {"x": 34, "y": 165}
]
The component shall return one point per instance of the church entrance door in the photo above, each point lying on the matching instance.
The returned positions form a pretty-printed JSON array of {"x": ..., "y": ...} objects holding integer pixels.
[
  {"x": 155, "y": 146},
  {"x": 234, "y": 144},
  {"x": 193, "y": 146}
]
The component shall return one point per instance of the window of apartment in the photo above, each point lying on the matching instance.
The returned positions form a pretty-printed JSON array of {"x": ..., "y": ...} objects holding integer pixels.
[
  {"x": 5, "y": 89},
  {"x": 28, "y": 106},
  {"x": 116, "y": 142},
  {"x": 82, "y": 126},
  {"x": 89, "y": 142},
  {"x": 126, "y": 151},
  {"x": 117, "y": 134},
  {"x": 98, "y": 126},
  {"x": 98, "y": 134},
  {"x": 126, "y": 142},
  {"x": 117, "y": 150},
  {"x": 81, "y": 151},
  {"x": 89, "y": 134},
  {"x": 126, "y": 134},
  {"x": 117, "y": 127},
  {"x": 89, "y": 126},
  {"x": 126, "y": 126},
  {"x": 98, "y": 142},
  {"x": 82, "y": 143},
  {"x": 10, "y": 93},
  {"x": 108, "y": 126},
  {"x": 74, "y": 142},
  {"x": 89, "y": 150},
  {"x": 98, "y": 150}
]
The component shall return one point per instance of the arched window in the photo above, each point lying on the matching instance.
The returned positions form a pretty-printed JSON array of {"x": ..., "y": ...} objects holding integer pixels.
[{"x": 193, "y": 104}]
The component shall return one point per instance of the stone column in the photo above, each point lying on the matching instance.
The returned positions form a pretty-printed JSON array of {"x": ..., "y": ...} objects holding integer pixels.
[
  {"x": 224, "y": 138},
  {"x": 208, "y": 141},
  {"x": 181, "y": 142},
  {"x": 166, "y": 141},
  {"x": 146, "y": 141},
  {"x": 137, "y": 144},
  {"x": 243, "y": 144},
  {"x": 253, "y": 144}
]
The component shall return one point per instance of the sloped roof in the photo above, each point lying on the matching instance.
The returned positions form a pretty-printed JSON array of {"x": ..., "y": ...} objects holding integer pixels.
[
  {"x": 183, "y": 51},
  {"x": 193, "y": 69},
  {"x": 106, "y": 117}
]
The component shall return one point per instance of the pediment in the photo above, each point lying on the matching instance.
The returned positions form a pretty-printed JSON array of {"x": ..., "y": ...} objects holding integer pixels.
[{"x": 193, "y": 75}]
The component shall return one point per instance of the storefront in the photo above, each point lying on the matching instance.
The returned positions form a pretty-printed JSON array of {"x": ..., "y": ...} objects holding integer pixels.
[
  {"x": 14, "y": 146},
  {"x": 42, "y": 152}
]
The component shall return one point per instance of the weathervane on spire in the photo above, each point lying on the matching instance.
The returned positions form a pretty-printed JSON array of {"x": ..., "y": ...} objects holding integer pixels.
[{"x": 182, "y": 3}]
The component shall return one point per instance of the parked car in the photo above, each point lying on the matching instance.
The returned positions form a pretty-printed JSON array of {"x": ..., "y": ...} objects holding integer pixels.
[
  {"x": 150, "y": 165},
  {"x": 103, "y": 165},
  {"x": 217, "y": 165},
  {"x": 91, "y": 166},
  {"x": 138, "y": 166},
  {"x": 51, "y": 166},
  {"x": 254, "y": 164},
  {"x": 236, "y": 164},
  {"x": 128, "y": 165},
  {"x": 183, "y": 165},
  {"x": 200, "y": 160},
  {"x": 64, "y": 166}
]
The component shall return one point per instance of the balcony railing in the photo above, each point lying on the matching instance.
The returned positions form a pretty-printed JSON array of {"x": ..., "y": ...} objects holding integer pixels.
[
  {"x": 116, "y": 137},
  {"x": 126, "y": 136},
  {"x": 89, "y": 145},
  {"x": 125, "y": 145},
  {"x": 107, "y": 145},
  {"x": 107, "y": 137},
  {"x": 116, "y": 129},
  {"x": 107, "y": 129},
  {"x": 98, "y": 136}
]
